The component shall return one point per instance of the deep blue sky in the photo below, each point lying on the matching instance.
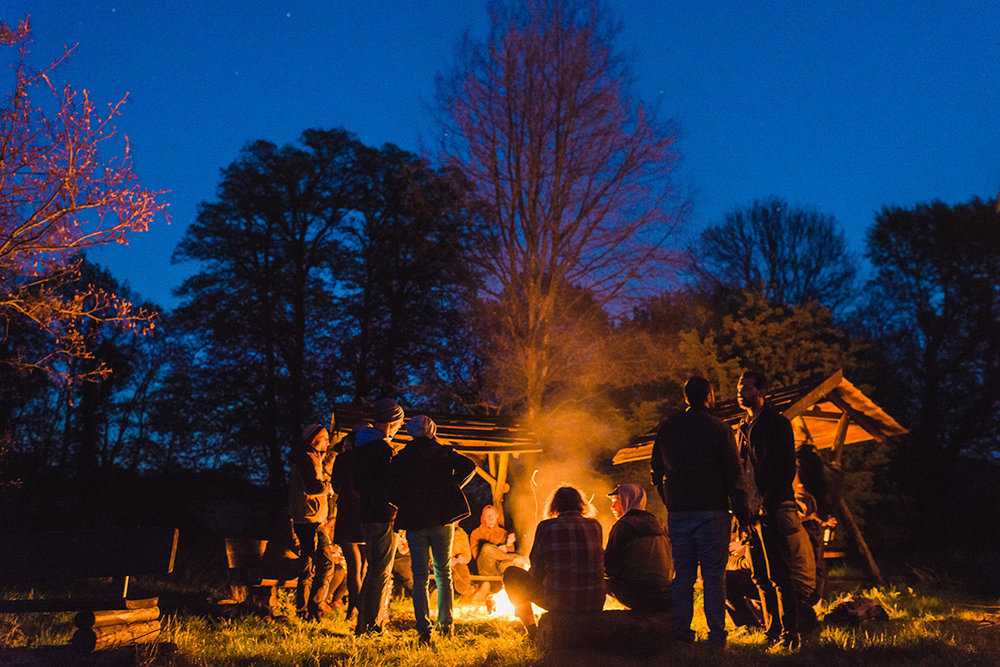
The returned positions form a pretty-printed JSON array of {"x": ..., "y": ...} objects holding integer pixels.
[{"x": 841, "y": 105}]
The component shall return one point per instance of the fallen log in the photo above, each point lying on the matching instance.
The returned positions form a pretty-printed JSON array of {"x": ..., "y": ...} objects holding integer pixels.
[
  {"x": 102, "y": 637},
  {"x": 612, "y": 627},
  {"x": 91, "y": 619}
]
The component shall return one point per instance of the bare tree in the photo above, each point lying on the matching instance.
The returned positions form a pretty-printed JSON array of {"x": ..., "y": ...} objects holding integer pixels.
[
  {"x": 573, "y": 171},
  {"x": 789, "y": 254},
  {"x": 60, "y": 194}
]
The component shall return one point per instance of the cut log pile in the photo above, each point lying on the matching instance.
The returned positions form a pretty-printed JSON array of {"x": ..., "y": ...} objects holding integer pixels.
[{"x": 139, "y": 622}]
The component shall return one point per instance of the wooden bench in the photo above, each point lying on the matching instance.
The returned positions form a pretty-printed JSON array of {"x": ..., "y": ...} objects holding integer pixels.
[
  {"x": 64, "y": 559},
  {"x": 257, "y": 582}
]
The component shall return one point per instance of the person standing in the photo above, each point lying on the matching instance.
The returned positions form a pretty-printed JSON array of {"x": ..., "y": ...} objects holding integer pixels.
[
  {"x": 370, "y": 475},
  {"x": 347, "y": 533},
  {"x": 767, "y": 442},
  {"x": 427, "y": 479},
  {"x": 308, "y": 505},
  {"x": 637, "y": 559},
  {"x": 696, "y": 469}
]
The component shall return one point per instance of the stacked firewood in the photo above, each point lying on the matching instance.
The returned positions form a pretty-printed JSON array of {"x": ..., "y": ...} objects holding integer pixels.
[{"x": 139, "y": 622}]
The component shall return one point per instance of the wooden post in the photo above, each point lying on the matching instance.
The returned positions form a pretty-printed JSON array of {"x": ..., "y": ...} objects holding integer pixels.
[
  {"x": 839, "y": 437},
  {"x": 852, "y": 527},
  {"x": 500, "y": 488}
]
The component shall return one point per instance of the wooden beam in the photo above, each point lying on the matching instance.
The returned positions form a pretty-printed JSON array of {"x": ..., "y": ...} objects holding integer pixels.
[
  {"x": 813, "y": 397},
  {"x": 861, "y": 419},
  {"x": 840, "y": 437}
]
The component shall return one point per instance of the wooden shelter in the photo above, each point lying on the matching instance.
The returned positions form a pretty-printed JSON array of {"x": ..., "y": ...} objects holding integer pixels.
[
  {"x": 828, "y": 413},
  {"x": 490, "y": 441}
]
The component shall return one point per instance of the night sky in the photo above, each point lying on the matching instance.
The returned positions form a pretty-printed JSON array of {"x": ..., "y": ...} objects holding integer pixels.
[{"x": 839, "y": 105}]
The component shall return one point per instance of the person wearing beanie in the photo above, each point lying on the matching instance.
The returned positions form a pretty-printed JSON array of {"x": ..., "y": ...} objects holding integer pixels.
[
  {"x": 370, "y": 475},
  {"x": 637, "y": 559},
  {"x": 308, "y": 505},
  {"x": 426, "y": 485}
]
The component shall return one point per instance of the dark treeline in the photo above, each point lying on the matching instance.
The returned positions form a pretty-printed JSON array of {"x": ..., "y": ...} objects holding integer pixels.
[{"x": 520, "y": 271}]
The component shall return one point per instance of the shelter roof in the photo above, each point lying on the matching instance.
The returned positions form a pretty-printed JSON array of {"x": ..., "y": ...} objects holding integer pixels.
[
  {"x": 815, "y": 409},
  {"x": 469, "y": 434}
]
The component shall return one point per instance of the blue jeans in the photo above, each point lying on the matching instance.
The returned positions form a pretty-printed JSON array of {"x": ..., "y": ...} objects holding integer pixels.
[
  {"x": 700, "y": 538},
  {"x": 373, "y": 609},
  {"x": 426, "y": 545}
]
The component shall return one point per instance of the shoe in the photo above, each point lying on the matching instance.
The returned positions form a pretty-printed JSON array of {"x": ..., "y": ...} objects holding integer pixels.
[
  {"x": 446, "y": 632},
  {"x": 790, "y": 642},
  {"x": 319, "y": 612},
  {"x": 424, "y": 639}
]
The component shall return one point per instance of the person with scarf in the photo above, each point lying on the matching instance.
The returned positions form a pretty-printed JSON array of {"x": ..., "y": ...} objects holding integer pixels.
[{"x": 638, "y": 564}]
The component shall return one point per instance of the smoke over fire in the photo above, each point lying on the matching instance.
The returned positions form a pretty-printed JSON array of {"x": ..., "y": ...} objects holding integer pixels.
[{"x": 577, "y": 446}]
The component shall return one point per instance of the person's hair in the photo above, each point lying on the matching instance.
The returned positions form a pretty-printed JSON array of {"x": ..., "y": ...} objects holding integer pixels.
[
  {"x": 696, "y": 391},
  {"x": 568, "y": 499},
  {"x": 759, "y": 379}
]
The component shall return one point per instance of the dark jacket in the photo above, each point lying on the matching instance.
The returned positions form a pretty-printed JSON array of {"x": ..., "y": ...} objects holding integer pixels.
[
  {"x": 638, "y": 552},
  {"x": 773, "y": 445},
  {"x": 348, "y": 526},
  {"x": 308, "y": 486},
  {"x": 695, "y": 465},
  {"x": 371, "y": 478},
  {"x": 426, "y": 480}
]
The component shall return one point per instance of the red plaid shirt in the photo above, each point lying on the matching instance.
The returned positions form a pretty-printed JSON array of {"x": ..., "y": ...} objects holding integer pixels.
[{"x": 568, "y": 560}]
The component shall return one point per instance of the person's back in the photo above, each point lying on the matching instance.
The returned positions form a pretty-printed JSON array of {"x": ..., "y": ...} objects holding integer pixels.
[
  {"x": 568, "y": 559},
  {"x": 371, "y": 477},
  {"x": 638, "y": 551},
  {"x": 695, "y": 453},
  {"x": 425, "y": 478}
]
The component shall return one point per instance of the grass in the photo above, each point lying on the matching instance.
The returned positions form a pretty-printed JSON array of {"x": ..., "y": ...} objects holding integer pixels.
[{"x": 926, "y": 626}]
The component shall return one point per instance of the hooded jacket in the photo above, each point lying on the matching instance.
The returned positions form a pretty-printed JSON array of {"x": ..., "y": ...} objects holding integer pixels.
[{"x": 638, "y": 551}]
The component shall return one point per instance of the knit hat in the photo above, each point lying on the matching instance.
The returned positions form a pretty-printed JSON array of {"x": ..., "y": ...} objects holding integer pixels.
[
  {"x": 387, "y": 411},
  {"x": 421, "y": 425}
]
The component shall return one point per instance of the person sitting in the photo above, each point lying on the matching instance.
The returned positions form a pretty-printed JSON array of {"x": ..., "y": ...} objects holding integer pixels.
[
  {"x": 492, "y": 546},
  {"x": 637, "y": 560},
  {"x": 461, "y": 556},
  {"x": 567, "y": 562}
]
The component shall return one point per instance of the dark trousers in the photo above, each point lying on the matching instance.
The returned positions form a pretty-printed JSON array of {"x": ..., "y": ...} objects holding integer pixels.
[
  {"x": 316, "y": 551},
  {"x": 768, "y": 560},
  {"x": 376, "y": 587},
  {"x": 523, "y": 590},
  {"x": 357, "y": 563}
]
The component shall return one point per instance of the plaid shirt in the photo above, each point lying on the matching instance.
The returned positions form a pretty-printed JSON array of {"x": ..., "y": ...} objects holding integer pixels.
[{"x": 568, "y": 559}]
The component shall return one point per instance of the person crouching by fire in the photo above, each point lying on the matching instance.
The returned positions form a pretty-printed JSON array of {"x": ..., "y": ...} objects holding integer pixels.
[
  {"x": 637, "y": 561},
  {"x": 426, "y": 480},
  {"x": 567, "y": 562}
]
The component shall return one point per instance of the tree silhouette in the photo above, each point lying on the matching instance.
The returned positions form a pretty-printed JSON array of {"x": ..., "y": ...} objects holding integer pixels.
[
  {"x": 573, "y": 173},
  {"x": 789, "y": 254}
]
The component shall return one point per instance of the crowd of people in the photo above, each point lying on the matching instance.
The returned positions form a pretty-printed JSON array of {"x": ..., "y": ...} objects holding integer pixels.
[{"x": 738, "y": 509}]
